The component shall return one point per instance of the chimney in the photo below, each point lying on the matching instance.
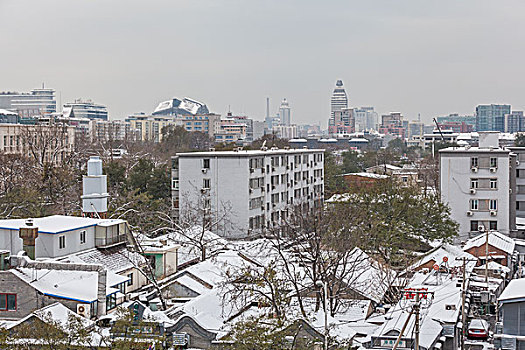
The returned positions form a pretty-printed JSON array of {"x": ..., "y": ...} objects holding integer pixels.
[
  {"x": 95, "y": 190},
  {"x": 29, "y": 234}
]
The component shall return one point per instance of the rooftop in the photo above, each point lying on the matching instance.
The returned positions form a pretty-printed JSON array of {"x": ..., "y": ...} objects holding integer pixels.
[
  {"x": 57, "y": 223},
  {"x": 247, "y": 153},
  {"x": 514, "y": 290},
  {"x": 496, "y": 240}
]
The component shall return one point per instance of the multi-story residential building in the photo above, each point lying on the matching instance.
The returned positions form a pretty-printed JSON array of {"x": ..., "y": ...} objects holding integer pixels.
[
  {"x": 49, "y": 143},
  {"x": 477, "y": 183},
  {"x": 285, "y": 113},
  {"x": 514, "y": 122},
  {"x": 287, "y": 132},
  {"x": 149, "y": 128},
  {"x": 246, "y": 192},
  {"x": 258, "y": 129},
  {"x": 37, "y": 102},
  {"x": 415, "y": 129},
  {"x": 343, "y": 122},
  {"x": 365, "y": 119},
  {"x": 112, "y": 130},
  {"x": 519, "y": 189},
  {"x": 457, "y": 127},
  {"x": 85, "y": 109},
  {"x": 456, "y": 118},
  {"x": 205, "y": 123},
  {"x": 491, "y": 117},
  {"x": 229, "y": 130},
  {"x": 338, "y": 102},
  {"x": 393, "y": 124}
]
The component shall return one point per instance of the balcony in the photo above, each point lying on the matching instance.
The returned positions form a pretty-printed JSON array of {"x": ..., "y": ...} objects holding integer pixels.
[{"x": 110, "y": 241}]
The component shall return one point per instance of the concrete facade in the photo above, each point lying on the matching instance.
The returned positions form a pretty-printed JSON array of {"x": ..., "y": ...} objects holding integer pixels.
[
  {"x": 252, "y": 190},
  {"x": 477, "y": 183}
]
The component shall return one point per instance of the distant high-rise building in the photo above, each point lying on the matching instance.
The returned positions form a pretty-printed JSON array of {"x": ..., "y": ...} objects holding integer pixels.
[
  {"x": 365, "y": 118},
  {"x": 338, "y": 102},
  {"x": 491, "y": 117},
  {"x": 284, "y": 113},
  {"x": 27, "y": 104},
  {"x": 85, "y": 109},
  {"x": 514, "y": 122}
]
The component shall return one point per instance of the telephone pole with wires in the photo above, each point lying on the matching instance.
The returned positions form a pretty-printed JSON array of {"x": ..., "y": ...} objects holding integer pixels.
[{"x": 463, "y": 298}]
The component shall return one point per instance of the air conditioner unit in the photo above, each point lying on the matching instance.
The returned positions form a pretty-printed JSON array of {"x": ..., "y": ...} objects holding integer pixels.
[
  {"x": 204, "y": 170},
  {"x": 84, "y": 310},
  {"x": 251, "y": 191},
  {"x": 474, "y": 169},
  {"x": 517, "y": 162},
  {"x": 450, "y": 307},
  {"x": 472, "y": 191},
  {"x": 493, "y": 213},
  {"x": 469, "y": 213},
  {"x": 493, "y": 170},
  {"x": 481, "y": 228},
  {"x": 251, "y": 170}
]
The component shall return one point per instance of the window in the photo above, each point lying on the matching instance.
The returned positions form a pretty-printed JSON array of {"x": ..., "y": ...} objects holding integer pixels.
[
  {"x": 494, "y": 184},
  {"x": 111, "y": 301},
  {"x": 61, "y": 242},
  {"x": 474, "y": 162},
  {"x": 175, "y": 184},
  {"x": 493, "y": 225},
  {"x": 493, "y": 162},
  {"x": 404, "y": 178},
  {"x": 130, "y": 281},
  {"x": 206, "y": 163},
  {"x": 7, "y": 302},
  {"x": 82, "y": 237},
  {"x": 206, "y": 183},
  {"x": 493, "y": 204},
  {"x": 474, "y": 225},
  {"x": 517, "y": 173},
  {"x": 474, "y": 183},
  {"x": 473, "y": 204}
]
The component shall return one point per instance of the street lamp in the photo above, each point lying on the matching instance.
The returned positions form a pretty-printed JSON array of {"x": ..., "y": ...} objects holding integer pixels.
[{"x": 324, "y": 285}]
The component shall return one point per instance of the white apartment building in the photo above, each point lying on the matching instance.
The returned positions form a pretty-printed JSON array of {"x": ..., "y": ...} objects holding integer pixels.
[
  {"x": 477, "y": 183},
  {"x": 246, "y": 191},
  {"x": 519, "y": 189}
]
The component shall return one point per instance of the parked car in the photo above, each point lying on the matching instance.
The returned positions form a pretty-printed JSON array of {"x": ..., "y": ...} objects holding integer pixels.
[{"x": 478, "y": 329}]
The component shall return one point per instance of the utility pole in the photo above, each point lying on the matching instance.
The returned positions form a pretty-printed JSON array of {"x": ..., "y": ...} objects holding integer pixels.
[
  {"x": 487, "y": 259},
  {"x": 463, "y": 299},
  {"x": 416, "y": 324}
]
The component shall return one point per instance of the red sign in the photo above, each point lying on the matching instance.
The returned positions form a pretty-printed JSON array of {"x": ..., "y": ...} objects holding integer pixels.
[
  {"x": 436, "y": 267},
  {"x": 445, "y": 258}
]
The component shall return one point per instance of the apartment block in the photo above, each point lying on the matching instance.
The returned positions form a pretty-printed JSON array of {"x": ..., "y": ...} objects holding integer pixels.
[
  {"x": 246, "y": 192},
  {"x": 477, "y": 183}
]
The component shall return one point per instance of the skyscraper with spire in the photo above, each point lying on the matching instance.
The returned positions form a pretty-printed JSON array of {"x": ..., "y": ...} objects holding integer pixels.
[
  {"x": 284, "y": 113},
  {"x": 338, "y": 103}
]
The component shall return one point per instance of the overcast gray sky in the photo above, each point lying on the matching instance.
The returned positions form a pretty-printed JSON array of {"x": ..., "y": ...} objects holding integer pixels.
[{"x": 413, "y": 56}]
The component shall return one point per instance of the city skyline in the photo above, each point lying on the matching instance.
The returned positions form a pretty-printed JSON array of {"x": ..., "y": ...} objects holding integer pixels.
[{"x": 396, "y": 57}]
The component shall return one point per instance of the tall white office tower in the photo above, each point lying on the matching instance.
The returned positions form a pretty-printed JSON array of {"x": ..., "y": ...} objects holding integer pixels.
[
  {"x": 95, "y": 190},
  {"x": 339, "y": 99},
  {"x": 284, "y": 113}
]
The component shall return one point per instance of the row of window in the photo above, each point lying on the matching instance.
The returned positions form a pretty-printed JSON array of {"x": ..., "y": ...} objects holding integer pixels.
[
  {"x": 483, "y": 162},
  {"x": 483, "y": 204},
  {"x": 484, "y": 184},
  {"x": 62, "y": 240},
  {"x": 475, "y": 225}
]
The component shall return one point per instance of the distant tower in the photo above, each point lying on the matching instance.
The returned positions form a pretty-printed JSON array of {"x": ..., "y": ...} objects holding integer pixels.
[
  {"x": 268, "y": 120},
  {"x": 339, "y": 100},
  {"x": 284, "y": 113},
  {"x": 95, "y": 190}
]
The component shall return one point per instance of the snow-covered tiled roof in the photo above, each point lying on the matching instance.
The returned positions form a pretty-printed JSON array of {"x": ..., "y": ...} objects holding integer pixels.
[
  {"x": 73, "y": 285},
  {"x": 57, "y": 223},
  {"x": 114, "y": 260},
  {"x": 496, "y": 240},
  {"x": 58, "y": 313},
  {"x": 451, "y": 252},
  {"x": 514, "y": 290}
]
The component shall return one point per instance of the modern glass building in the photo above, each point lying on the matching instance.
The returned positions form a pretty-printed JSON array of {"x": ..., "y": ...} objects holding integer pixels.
[
  {"x": 27, "y": 104},
  {"x": 491, "y": 117},
  {"x": 186, "y": 106}
]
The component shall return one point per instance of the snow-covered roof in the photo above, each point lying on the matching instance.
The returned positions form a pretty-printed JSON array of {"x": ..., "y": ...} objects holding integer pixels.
[
  {"x": 57, "y": 223},
  {"x": 496, "y": 240},
  {"x": 115, "y": 261},
  {"x": 6, "y": 112},
  {"x": 58, "y": 313},
  {"x": 515, "y": 290},
  {"x": 445, "y": 308},
  {"x": 73, "y": 285},
  {"x": 493, "y": 266},
  {"x": 385, "y": 166},
  {"x": 451, "y": 252},
  {"x": 369, "y": 175}
]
